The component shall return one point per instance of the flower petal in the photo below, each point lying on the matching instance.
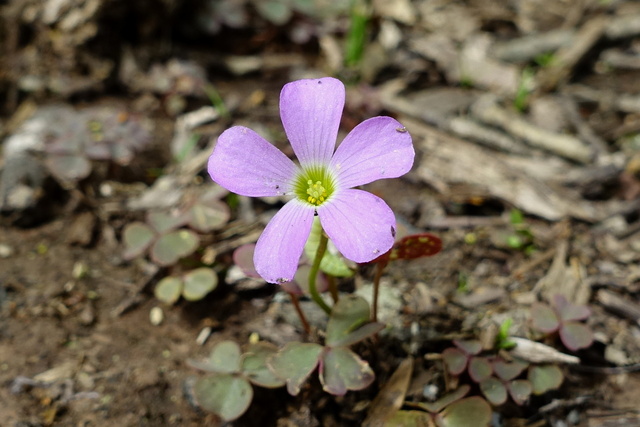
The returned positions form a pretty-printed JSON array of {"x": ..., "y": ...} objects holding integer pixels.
[
  {"x": 377, "y": 148},
  {"x": 360, "y": 225},
  {"x": 245, "y": 163},
  {"x": 279, "y": 248},
  {"x": 311, "y": 110}
]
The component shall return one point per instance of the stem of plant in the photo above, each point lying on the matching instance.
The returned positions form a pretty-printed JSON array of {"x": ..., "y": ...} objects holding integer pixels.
[
  {"x": 333, "y": 288},
  {"x": 313, "y": 290},
  {"x": 303, "y": 318},
  {"x": 376, "y": 289}
]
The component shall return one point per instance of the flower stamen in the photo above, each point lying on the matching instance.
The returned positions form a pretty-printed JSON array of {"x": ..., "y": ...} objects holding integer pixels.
[{"x": 317, "y": 193}]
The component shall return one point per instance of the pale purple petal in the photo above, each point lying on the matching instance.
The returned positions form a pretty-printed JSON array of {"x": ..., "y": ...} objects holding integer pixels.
[
  {"x": 377, "y": 148},
  {"x": 279, "y": 248},
  {"x": 245, "y": 163},
  {"x": 311, "y": 111},
  {"x": 360, "y": 225}
]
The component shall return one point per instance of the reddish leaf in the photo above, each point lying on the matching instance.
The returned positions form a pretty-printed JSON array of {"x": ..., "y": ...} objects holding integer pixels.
[
  {"x": 416, "y": 246},
  {"x": 455, "y": 360},
  {"x": 575, "y": 335},
  {"x": 479, "y": 369}
]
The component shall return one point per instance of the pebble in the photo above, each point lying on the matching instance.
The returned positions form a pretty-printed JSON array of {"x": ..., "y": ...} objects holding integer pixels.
[
  {"x": 5, "y": 251},
  {"x": 156, "y": 316}
]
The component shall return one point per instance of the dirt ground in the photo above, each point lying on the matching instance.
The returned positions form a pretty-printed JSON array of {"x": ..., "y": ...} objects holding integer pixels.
[{"x": 80, "y": 340}]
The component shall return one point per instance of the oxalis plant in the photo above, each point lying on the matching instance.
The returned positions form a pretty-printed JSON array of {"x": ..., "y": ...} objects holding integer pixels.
[{"x": 324, "y": 206}]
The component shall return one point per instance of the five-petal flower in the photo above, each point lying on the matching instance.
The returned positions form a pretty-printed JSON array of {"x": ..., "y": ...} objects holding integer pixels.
[{"x": 360, "y": 224}]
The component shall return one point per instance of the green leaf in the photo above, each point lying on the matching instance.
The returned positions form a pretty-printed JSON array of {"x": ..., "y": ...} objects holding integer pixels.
[
  {"x": 455, "y": 360},
  {"x": 575, "y": 335},
  {"x": 137, "y": 237},
  {"x": 348, "y": 314},
  {"x": 408, "y": 419},
  {"x": 544, "y": 378},
  {"x": 472, "y": 411},
  {"x": 277, "y": 12},
  {"x": 520, "y": 390},
  {"x": 168, "y": 289},
  {"x": 471, "y": 347},
  {"x": 294, "y": 363},
  {"x": 198, "y": 283},
  {"x": 494, "y": 390},
  {"x": 68, "y": 167},
  {"x": 226, "y": 395},
  {"x": 225, "y": 357},
  {"x": 163, "y": 221},
  {"x": 479, "y": 369},
  {"x": 169, "y": 248},
  {"x": 342, "y": 370},
  {"x": 254, "y": 365},
  {"x": 332, "y": 264},
  {"x": 362, "y": 333},
  {"x": 446, "y": 400},
  {"x": 210, "y": 216},
  {"x": 544, "y": 318}
]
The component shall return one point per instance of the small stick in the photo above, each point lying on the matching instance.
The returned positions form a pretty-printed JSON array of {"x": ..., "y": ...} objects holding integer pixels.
[{"x": 303, "y": 318}]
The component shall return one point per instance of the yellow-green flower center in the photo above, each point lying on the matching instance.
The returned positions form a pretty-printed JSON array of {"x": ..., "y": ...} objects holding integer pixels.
[{"x": 314, "y": 185}]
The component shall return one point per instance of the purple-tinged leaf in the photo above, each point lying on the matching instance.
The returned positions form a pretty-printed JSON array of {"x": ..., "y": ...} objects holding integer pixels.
[
  {"x": 479, "y": 369},
  {"x": 507, "y": 371},
  {"x": 226, "y": 395},
  {"x": 169, "y": 248},
  {"x": 494, "y": 390},
  {"x": 471, "y": 347},
  {"x": 243, "y": 258},
  {"x": 416, "y": 246},
  {"x": 455, "y": 360},
  {"x": 294, "y": 363},
  {"x": 342, "y": 370},
  {"x": 137, "y": 237},
  {"x": 446, "y": 400},
  {"x": 254, "y": 365},
  {"x": 544, "y": 318},
  {"x": 544, "y": 378},
  {"x": 472, "y": 411},
  {"x": 569, "y": 311},
  {"x": 520, "y": 391},
  {"x": 575, "y": 335}
]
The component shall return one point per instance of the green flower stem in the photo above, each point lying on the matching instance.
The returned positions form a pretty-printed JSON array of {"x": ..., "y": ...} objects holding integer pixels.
[{"x": 313, "y": 291}]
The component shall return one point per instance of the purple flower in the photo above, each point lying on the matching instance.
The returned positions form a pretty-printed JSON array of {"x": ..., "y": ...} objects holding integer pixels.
[{"x": 359, "y": 224}]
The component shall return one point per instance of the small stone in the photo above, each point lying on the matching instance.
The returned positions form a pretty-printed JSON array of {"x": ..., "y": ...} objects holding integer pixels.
[
  {"x": 204, "y": 335},
  {"x": 5, "y": 251},
  {"x": 156, "y": 316}
]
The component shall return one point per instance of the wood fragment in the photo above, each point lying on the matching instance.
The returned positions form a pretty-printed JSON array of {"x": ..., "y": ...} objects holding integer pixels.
[
  {"x": 619, "y": 305},
  {"x": 536, "y": 352},
  {"x": 488, "y": 110},
  {"x": 391, "y": 397}
]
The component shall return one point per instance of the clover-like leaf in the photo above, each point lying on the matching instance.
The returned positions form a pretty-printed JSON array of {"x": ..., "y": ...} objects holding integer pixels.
[
  {"x": 507, "y": 371},
  {"x": 198, "y": 283},
  {"x": 164, "y": 221},
  {"x": 544, "y": 378},
  {"x": 169, "y": 248},
  {"x": 137, "y": 237},
  {"x": 520, "y": 390},
  {"x": 471, "y": 347},
  {"x": 416, "y": 246},
  {"x": 332, "y": 263},
  {"x": 168, "y": 289},
  {"x": 225, "y": 357},
  {"x": 254, "y": 365},
  {"x": 455, "y": 360},
  {"x": 348, "y": 314},
  {"x": 68, "y": 167},
  {"x": 575, "y": 335},
  {"x": 342, "y": 370},
  {"x": 210, "y": 216},
  {"x": 494, "y": 390},
  {"x": 544, "y": 318},
  {"x": 243, "y": 258},
  {"x": 569, "y": 311},
  {"x": 226, "y": 395},
  {"x": 294, "y": 363},
  {"x": 446, "y": 400},
  {"x": 472, "y": 411},
  {"x": 479, "y": 369}
]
